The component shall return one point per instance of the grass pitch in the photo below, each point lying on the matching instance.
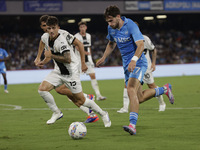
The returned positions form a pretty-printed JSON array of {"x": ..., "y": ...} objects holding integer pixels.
[{"x": 177, "y": 128}]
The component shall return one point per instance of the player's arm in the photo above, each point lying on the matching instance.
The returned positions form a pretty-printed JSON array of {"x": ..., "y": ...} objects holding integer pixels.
[
  {"x": 154, "y": 55},
  {"x": 80, "y": 48},
  {"x": 39, "y": 54},
  {"x": 138, "y": 53},
  {"x": 64, "y": 58},
  {"x": 109, "y": 48}
]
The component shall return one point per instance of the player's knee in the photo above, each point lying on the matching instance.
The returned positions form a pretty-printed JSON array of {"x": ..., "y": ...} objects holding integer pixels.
[{"x": 131, "y": 90}]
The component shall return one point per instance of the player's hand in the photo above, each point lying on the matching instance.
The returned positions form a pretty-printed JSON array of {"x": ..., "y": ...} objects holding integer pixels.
[
  {"x": 47, "y": 53},
  {"x": 100, "y": 61},
  {"x": 131, "y": 66},
  {"x": 40, "y": 64},
  {"x": 84, "y": 67},
  {"x": 36, "y": 61}
]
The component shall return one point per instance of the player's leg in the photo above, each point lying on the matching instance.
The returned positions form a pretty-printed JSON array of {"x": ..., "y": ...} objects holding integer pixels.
[
  {"x": 161, "y": 102},
  {"x": 124, "y": 109},
  {"x": 133, "y": 82},
  {"x": 44, "y": 91},
  {"x": 94, "y": 83},
  {"x": 149, "y": 80},
  {"x": 80, "y": 101},
  {"x": 132, "y": 89},
  {"x": 5, "y": 83},
  {"x": 52, "y": 80},
  {"x": 149, "y": 93},
  {"x": 91, "y": 116},
  {"x": 63, "y": 90}
]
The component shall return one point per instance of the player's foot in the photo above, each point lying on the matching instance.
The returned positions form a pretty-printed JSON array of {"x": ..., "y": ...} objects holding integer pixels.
[
  {"x": 54, "y": 117},
  {"x": 106, "y": 120},
  {"x": 130, "y": 129},
  {"x": 99, "y": 98},
  {"x": 91, "y": 97},
  {"x": 122, "y": 110},
  {"x": 6, "y": 91},
  {"x": 92, "y": 119},
  {"x": 162, "y": 107},
  {"x": 168, "y": 92}
]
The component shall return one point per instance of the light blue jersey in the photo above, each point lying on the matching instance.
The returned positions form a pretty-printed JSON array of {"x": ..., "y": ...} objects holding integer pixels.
[
  {"x": 125, "y": 39},
  {"x": 3, "y": 54}
]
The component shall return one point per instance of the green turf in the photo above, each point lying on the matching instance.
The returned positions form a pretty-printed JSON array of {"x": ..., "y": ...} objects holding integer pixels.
[{"x": 175, "y": 129}]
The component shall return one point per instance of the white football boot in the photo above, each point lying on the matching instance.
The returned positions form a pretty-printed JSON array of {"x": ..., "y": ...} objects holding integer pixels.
[
  {"x": 100, "y": 98},
  {"x": 162, "y": 107},
  {"x": 6, "y": 91},
  {"x": 123, "y": 110},
  {"x": 106, "y": 120},
  {"x": 55, "y": 116}
]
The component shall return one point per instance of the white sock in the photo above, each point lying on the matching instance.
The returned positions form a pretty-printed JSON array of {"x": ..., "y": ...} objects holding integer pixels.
[
  {"x": 160, "y": 100},
  {"x": 92, "y": 105},
  {"x": 125, "y": 99},
  {"x": 86, "y": 109},
  {"x": 48, "y": 98},
  {"x": 95, "y": 86}
]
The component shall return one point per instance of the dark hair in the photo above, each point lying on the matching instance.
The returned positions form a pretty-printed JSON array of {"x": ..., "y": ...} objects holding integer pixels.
[
  {"x": 82, "y": 23},
  {"x": 43, "y": 18},
  {"x": 52, "y": 20},
  {"x": 111, "y": 11}
]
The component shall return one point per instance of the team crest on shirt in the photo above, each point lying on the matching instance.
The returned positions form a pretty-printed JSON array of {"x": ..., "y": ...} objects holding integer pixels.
[{"x": 126, "y": 32}]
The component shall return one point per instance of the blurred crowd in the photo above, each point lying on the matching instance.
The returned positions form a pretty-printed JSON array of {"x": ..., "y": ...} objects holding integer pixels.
[{"x": 174, "y": 47}]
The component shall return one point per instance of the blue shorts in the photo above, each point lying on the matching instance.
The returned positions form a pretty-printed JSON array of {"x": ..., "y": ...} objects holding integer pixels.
[
  {"x": 3, "y": 70},
  {"x": 137, "y": 73}
]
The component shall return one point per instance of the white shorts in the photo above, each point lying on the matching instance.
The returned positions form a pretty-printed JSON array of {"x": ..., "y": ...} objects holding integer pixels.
[
  {"x": 73, "y": 82},
  {"x": 148, "y": 78}
]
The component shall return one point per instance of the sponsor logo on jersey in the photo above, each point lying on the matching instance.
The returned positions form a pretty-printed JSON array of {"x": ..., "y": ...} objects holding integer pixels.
[{"x": 122, "y": 40}]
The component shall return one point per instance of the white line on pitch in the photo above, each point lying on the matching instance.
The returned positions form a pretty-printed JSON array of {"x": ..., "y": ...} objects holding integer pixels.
[{"x": 20, "y": 108}]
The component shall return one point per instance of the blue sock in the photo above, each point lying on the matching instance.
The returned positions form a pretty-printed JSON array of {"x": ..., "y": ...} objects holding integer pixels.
[
  {"x": 159, "y": 91},
  {"x": 133, "y": 117},
  {"x": 5, "y": 87}
]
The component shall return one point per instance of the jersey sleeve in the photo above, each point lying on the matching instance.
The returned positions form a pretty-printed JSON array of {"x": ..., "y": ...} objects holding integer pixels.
[
  {"x": 64, "y": 46},
  {"x": 135, "y": 31},
  {"x": 69, "y": 37},
  {"x": 148, "y": 44},
  {"x": 109, "y": 36}
]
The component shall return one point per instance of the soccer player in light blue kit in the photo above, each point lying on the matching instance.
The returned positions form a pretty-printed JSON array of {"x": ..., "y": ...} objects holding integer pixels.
[
  {"x": 3, "y": 57},
  {"x": 124, "y": 33}
]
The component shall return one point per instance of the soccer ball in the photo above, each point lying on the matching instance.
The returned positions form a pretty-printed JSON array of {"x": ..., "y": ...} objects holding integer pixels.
[{"x": 77, "y": 130}]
